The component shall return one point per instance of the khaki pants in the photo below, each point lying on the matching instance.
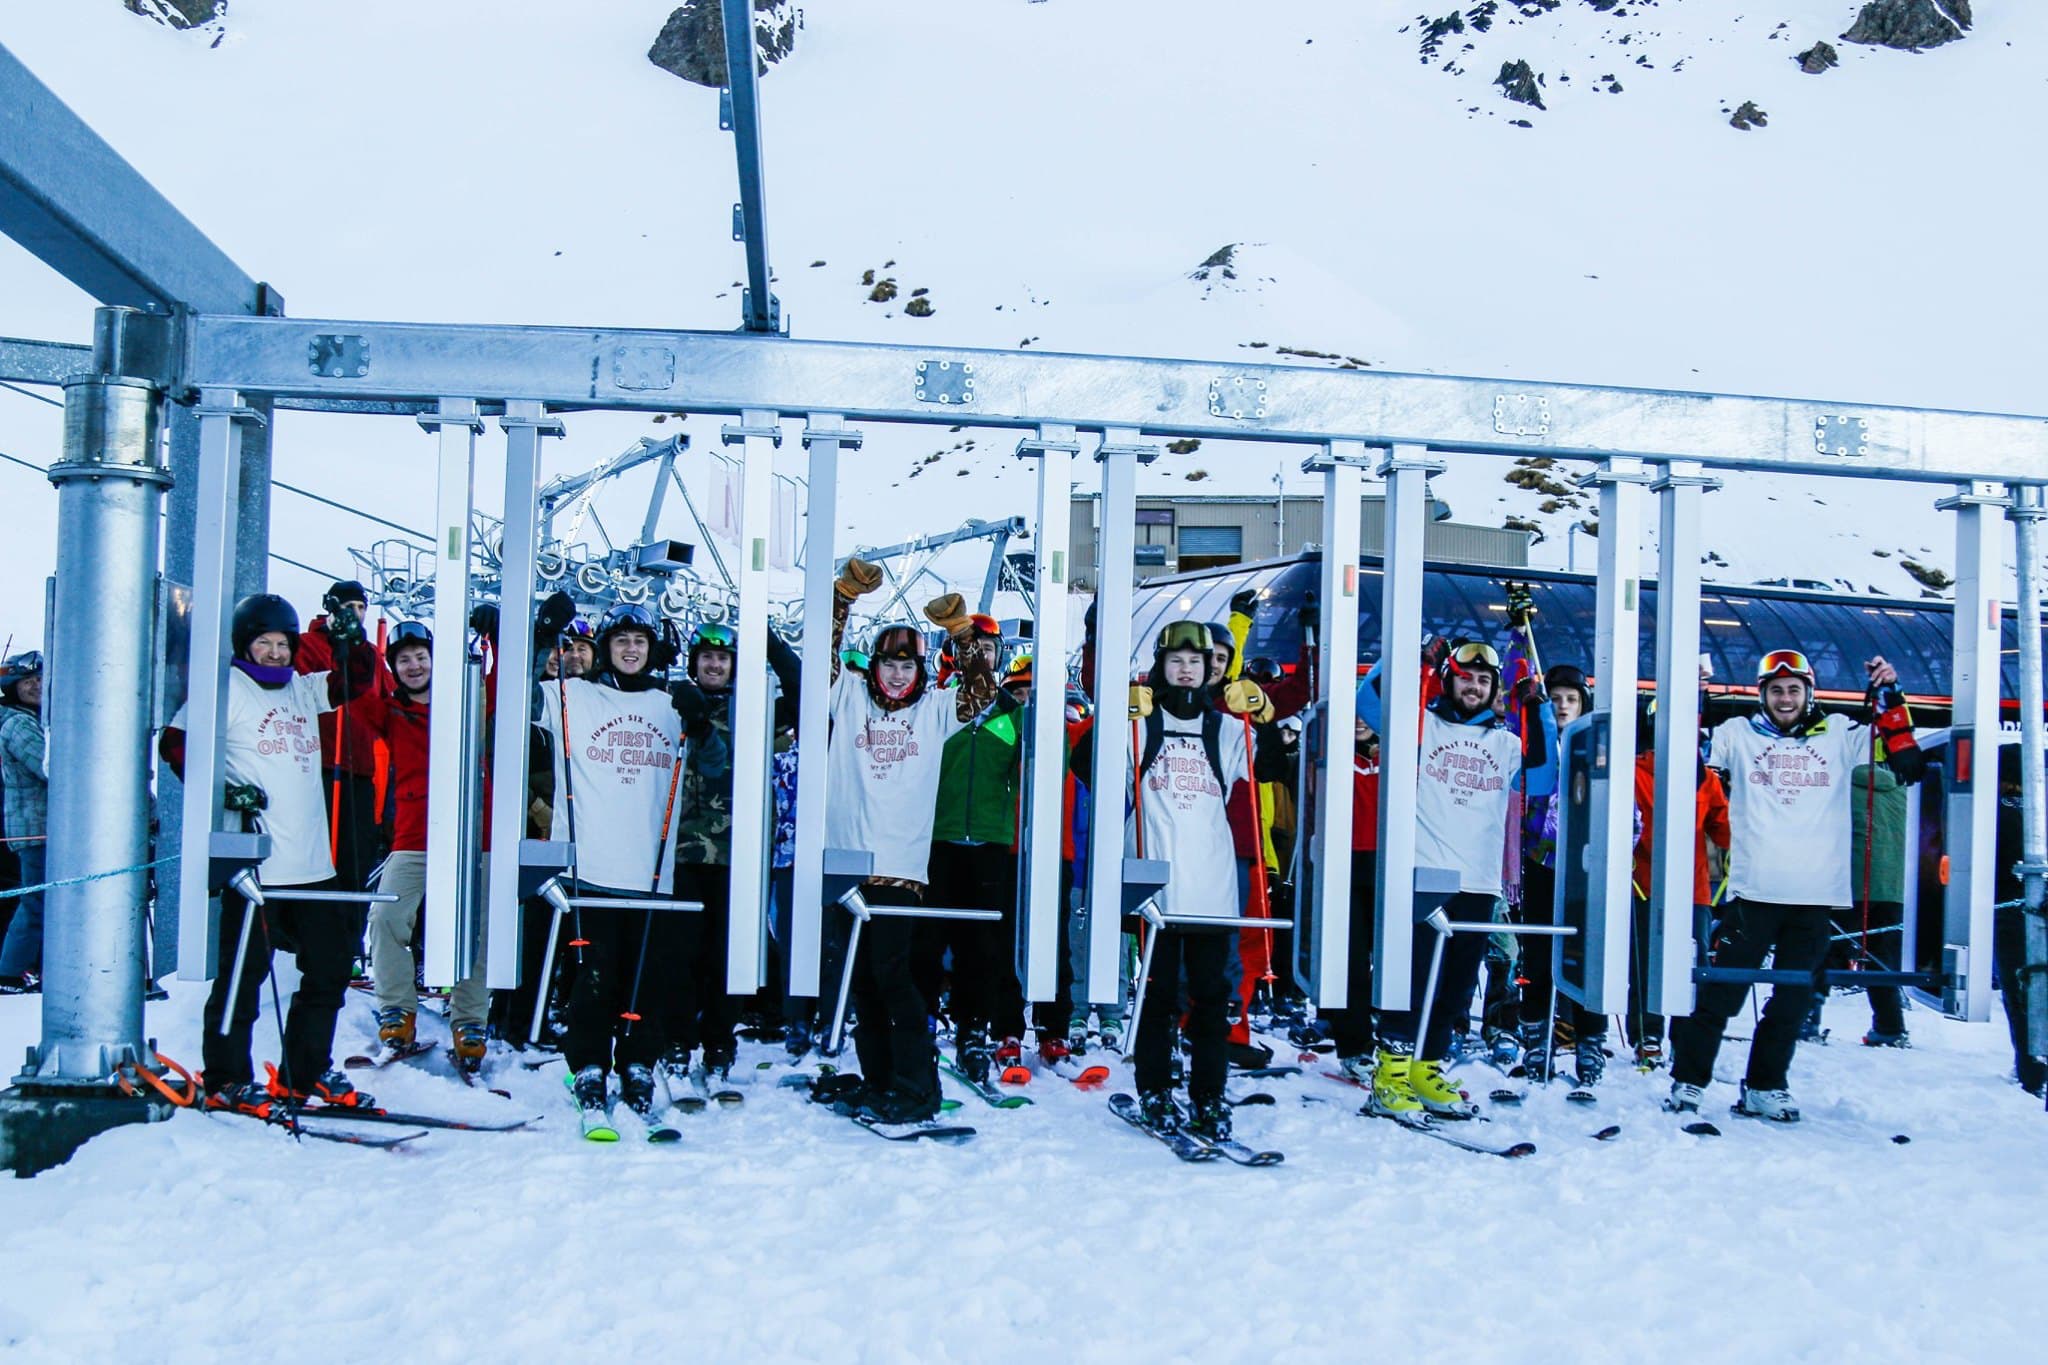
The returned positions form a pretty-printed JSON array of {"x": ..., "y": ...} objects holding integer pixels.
[{"x": 391, "y": 960}]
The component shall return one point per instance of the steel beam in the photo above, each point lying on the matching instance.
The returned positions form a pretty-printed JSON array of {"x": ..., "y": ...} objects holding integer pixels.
[
  {"x": 451, "y": 855},
  {"x": 824, "y": 435},
  {"x": 73, "y": 202},
  {"x": 759, "y": 309},
  {"x": 2027, "y": 514},
  {"x": 524, "y": 424},
  {"x": 1342, "y": 466},
  {"x": 1045, "y": 749},
  {"x": 1972, "y": 792},
  {"x": 1668, "y": 985},
  {"x": 1120, "y": 454},
  {"x": 753, "y": 734},
  {"x": 42, "y": 362},
  {"x": 1406, "y": 469},
  {"x": 728, "y": 373}
]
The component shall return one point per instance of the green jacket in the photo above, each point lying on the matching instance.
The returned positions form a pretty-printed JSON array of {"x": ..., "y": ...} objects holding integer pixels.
[
  {"x": 978, "y": 781},
  {"x": 1885, "y": 809}
]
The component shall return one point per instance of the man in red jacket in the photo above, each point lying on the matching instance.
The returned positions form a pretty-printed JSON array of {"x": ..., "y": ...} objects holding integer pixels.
[
  {"x": 403, "y": 723},
  {"x": 348, "y": 748}
]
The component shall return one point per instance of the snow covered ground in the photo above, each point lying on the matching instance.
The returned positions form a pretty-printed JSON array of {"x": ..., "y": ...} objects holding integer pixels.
[{"x": 777, "y": 1232}]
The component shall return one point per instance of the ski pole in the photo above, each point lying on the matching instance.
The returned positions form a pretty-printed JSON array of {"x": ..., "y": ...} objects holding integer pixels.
[
  {"x": 1261, "y": 893},
  {"x": 639, "y": 970},
  {"x": 551, "y": 892},
  {"x": 577, "y": 941},
  {"x": 647, "y": 925}
]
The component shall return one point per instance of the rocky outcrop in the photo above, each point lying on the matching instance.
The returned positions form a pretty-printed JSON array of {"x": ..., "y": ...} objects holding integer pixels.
[
  {"x": 1519, "y": 83},
  {"x": 1748, "y": 117},
  {"x": 178, "y": 13},
  {"x": 1818, "y": 58},
  {"x": 692, "y": 42},
  {"x": 1909, "y": 25}
]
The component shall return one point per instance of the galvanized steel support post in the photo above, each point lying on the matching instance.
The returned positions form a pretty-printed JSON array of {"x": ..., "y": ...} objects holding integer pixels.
[
  {"x": 451, "y": 857},
  {"x": 824, "y": 435},
  {"x": 1406, "y": 469},
  {"x": 1342, "y": 464},
  {"x": 746, "y": 963},
  {"x": 2027, "y": 512},
  {"x": 110, "y": 486},
  {"x": 1668, "y": 984},
  {"x": 1120, "y": 454},
  {"x": 1046, "y": 744},
  {"x": 1972, "y": 793}
]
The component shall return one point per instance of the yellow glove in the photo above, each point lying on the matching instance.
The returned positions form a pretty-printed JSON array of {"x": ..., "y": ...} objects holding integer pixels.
[
  {"x": 1141, "y": 701},
  {"x": 949, "y": 613},
  {"x": 540, "y": 815},
  {"x": 858, "y": 579},
  {"x": 1243, "y": 698}
]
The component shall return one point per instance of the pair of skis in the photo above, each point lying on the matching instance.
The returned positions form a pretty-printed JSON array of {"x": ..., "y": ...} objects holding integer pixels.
[{"x": 1189, "y": 1145}]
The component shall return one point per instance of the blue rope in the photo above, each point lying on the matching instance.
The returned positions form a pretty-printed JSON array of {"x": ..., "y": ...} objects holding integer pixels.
[{"x": 90, "y": 877}]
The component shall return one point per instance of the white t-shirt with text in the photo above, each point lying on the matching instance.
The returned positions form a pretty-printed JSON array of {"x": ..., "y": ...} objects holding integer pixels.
[
  {"x": 1461, "y": 799},
  {"x": 622, "y": 752},
  {"x": 1788, "y": 809},
  {"x": 1185, "y": 824},
  {"x": 882, "y": 775},
  {"x": 273, "y": 742}
]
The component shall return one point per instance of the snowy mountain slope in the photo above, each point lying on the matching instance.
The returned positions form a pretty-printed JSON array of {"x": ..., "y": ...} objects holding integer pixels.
[{"x": 1053, "y": 172}]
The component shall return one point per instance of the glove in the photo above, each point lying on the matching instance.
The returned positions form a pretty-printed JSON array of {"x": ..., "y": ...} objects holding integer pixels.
[
  {"x": 540, "y": 815},
  {"x": 949, "y": 613},
  {"x": 858, "y": 579},
  {"x": 1141, "y": 701},
  {"x": 483, "y": 619},
  {"x": 1244, "y": 602},
  {"x": 344, "y": 627},
  {"x": 1528, "y": 692},
  {"x": 1310, "y": 614},
  {"x": 694, "y": 708},
  {"x": 244, "y": 798},
  {"x": 1435, "y": 650},
  {"x": 1244, "y": 698},
  {"x": 552, "y": 619}
]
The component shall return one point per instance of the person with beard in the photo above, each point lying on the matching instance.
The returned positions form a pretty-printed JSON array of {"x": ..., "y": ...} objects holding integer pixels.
[
  {"x": 271, "y": 751},
  {"x": 889, "y": 731},
  {"x": 1789, "y": 852},
  {"x": 704, "y": 844},
  {"x": 1469, "y": 761},
  {"x": 615, "y": 773},
  {"x": 403, "y": 722},
  {"x": 1192, "y": 754},
  {"x": 348, "y": 747}
]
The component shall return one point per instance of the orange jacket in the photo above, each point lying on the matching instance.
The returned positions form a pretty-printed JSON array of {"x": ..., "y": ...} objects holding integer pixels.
[{"x": 1710, "y": 817}]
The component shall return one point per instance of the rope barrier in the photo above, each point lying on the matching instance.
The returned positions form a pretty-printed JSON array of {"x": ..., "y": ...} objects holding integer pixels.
[{"x": 89, "y": 877}]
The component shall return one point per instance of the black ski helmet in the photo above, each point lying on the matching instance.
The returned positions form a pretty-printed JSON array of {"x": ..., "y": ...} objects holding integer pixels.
[
  {"x": 1221, "y": 638},
  {"x": 344, "y": 590},
  {"x": 259, "y": 614},
  {"x": 897, "y": 641},
  {"x": 1569, "y": 675}
]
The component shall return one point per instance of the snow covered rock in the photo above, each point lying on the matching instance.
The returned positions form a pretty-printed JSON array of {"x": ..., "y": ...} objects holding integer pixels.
[
  {"x": 1519, "y": 83},
  {"x": 1910, "y": 24},
  {"x": 692, "y": 42},
  {"x": 1818, "y": 58},
  {"x": 178, "y": 13}
]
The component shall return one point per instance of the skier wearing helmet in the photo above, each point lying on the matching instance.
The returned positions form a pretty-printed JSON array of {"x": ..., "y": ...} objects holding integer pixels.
[
  {"x": 1789, "y": 793},
  {"x": 27, "y": 789}
]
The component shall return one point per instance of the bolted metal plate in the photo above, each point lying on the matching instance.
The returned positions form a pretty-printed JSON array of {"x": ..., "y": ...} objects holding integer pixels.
[
  {"x": 333, "y": 355},
  {"x": 1237, "y": 397},
  {"x": 643, "y": 369},
  {"x": 1520, "y": 414},
  {"x": 944, "y": 382},
  {"x": 1841, "y": 436}
]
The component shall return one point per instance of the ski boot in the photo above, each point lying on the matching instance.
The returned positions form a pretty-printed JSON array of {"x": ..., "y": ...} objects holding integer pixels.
[
  {"x": 28, "y": 983},
  {"x": 1309, "y": 1037},
  {"x": 590, "y": 1088},
  {"x": 1357, "y": 1069},
  {"x": 1503, "y": 1050},
  {"x": 1879, "y": 1038},
  {"x": 1009, "y": 1062},
  {"x": 1053, "y": 1049},
  {"x": 331, "y": 1091},
  {"x": 718, "y": 1062},
  {"x": 843, "y": 1092},
  {"x": 1535, "y": 1054},
  {"x": 1209, "y": 1118},
  {"x": 972, "y": 1053},
  {"x": 248, "y": 1097},
  {"x": 1775, "y": 1105},
  {"x": 470, "y": 1045},
  {"x": 1250, "y": 1056},
  {"x": 1158, "y": 1110},
  {"x": 395, "y": 1029},
  {"x": 1684, "y": 1099},
  {"x": 1590, "y": 1058},
  {"x": 1649, "y": 1054},
  {"x": 636, "y": 1087},
  {"x": 1437, "y": 1094},
  {"x": 1392, "y": 1095},
  {"x": 896, "y": 1105},
  {"x": 1810, "y": 1030},
  {"x": 796, "y": 1040},
  {"x": 1112, "y": 1035}
]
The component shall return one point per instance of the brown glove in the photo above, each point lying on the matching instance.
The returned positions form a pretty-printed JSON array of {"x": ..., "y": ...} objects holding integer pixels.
[
  {"x": 1243, "y": 698},
  {"x": 858, "y": 579},
  {"x": 540, "y": 815},
  {"x": 1141, "y": 701},
  {"x": 949, "y": 613}
]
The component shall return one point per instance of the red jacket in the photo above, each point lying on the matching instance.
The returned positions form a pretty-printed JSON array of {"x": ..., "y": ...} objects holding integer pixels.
[
  {"x": 1710, "y": 818},
  {"x": 354, "y": 751},
  {"x": 404, "y": 725},
  {"x": 1365, "y": 802}
]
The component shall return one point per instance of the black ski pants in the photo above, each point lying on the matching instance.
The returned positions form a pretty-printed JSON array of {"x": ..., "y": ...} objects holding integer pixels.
[
  {"x": 1202, "y": 958},
  {"x": 600, "y": 1034},
  {"x": 1537, "y": 962},
  {"x": 1351, "y": 1027},
  {"x": 359, "y": 842},
  {"x": 892, "y": 1034},
  {"x": 1795, "y": 937},
  {"x": 705, "y": 1014},
  {"x": 512, "y": 1010},
  {"x": 1457, "y": 978},
  {"x": 986, "y": 993},
  {"x": 1887, "y": 1010},
  {"x": 324, "y": 938}
]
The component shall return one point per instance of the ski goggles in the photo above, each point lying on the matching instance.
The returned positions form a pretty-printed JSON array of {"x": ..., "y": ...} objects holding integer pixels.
[
  {"x": 1018, "y": 669},
  {"x": 409, "y": 633},
  {"x": 1784, "y": 663},
  {"x": 1183, "y": 635},
  {"x": 624, "y": 615},
  {"x": 1475, "y": 653},
  {"x": 579, "y": 629},
  {"x": 715, "y": 637}
]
